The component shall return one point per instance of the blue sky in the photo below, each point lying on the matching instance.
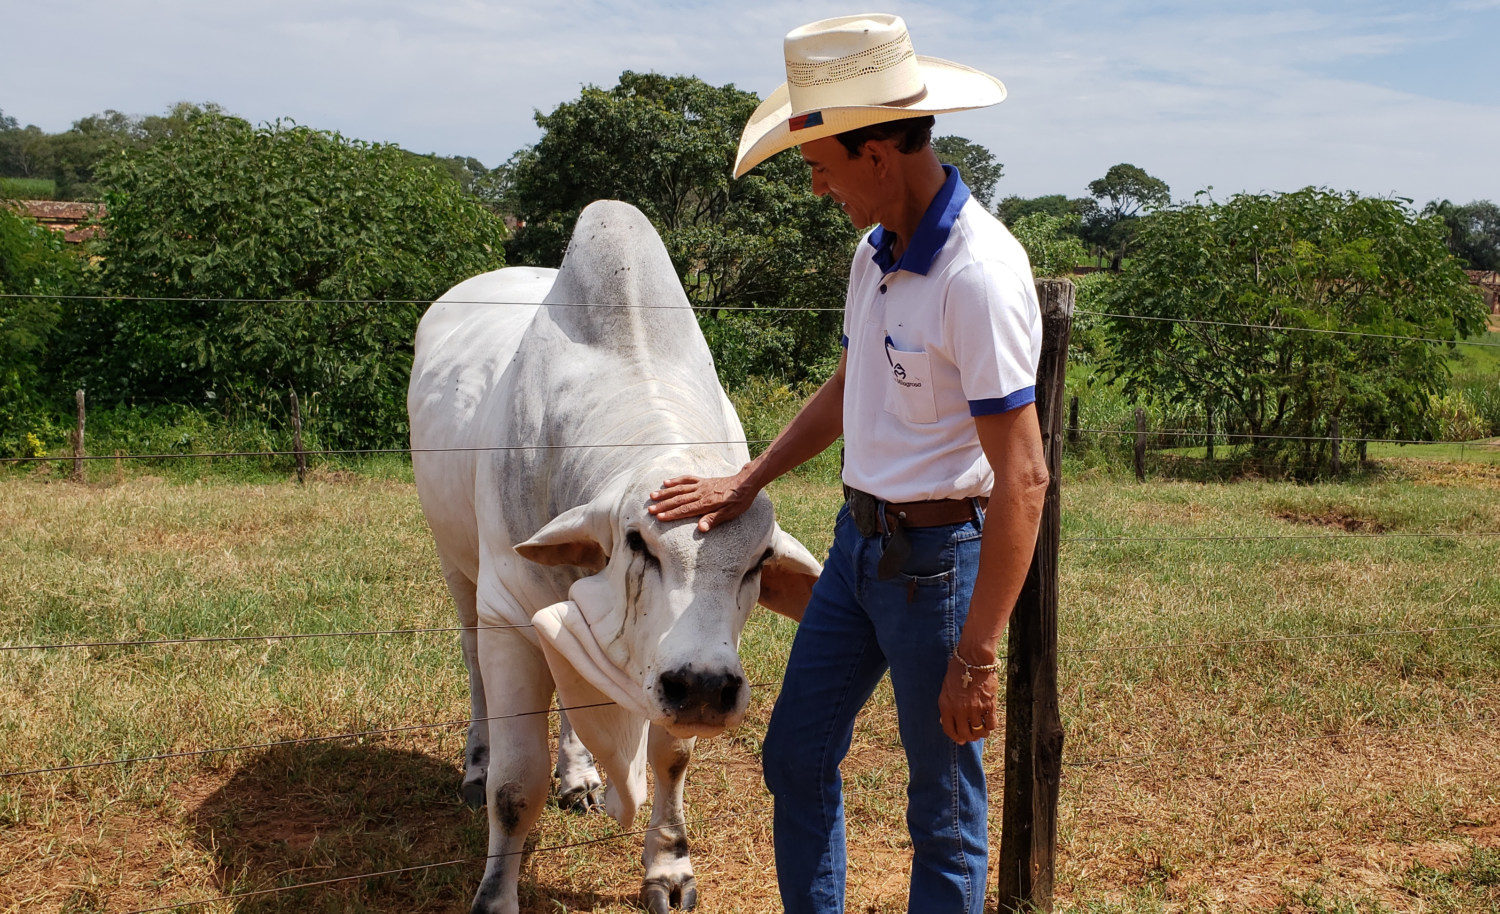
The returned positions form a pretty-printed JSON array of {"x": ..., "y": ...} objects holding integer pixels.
[{"x": 1377, "y": 97}]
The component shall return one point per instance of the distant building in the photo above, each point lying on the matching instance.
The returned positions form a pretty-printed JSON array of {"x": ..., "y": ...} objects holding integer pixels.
[
  {"x": 1488, "y": 282},
  {"x": 69, "y": 217}
]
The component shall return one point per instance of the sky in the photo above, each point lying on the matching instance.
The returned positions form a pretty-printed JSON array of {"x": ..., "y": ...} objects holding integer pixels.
[{"x": 1382, "y": 98}]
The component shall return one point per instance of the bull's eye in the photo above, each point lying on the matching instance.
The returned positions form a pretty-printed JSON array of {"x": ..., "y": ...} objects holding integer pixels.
[
  {"x": 755, "y": 569},
  {"x": 637, "y": 544}
]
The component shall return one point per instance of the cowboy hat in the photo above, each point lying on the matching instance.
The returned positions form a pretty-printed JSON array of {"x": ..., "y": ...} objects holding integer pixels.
[{"x": 854, "y": 71}]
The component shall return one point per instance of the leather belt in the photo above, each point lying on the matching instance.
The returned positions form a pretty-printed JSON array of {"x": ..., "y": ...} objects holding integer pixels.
[{"x": 866, "y": 511}]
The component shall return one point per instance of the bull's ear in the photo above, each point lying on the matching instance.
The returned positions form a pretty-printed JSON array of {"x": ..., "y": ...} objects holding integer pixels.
[
  {"x": 578, "y": 536},
  {"x": 787, "y": 578}
]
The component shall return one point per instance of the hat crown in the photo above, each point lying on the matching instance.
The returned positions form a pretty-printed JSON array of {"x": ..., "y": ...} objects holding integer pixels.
[{"x": 852, "y": 60}]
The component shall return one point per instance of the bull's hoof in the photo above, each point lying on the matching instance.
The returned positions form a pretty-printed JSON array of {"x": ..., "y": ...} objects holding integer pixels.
[
  {"x": 473, "y": 792},
  {"x": 661, "y": 894},
  {"x": 585, "y": 798}
]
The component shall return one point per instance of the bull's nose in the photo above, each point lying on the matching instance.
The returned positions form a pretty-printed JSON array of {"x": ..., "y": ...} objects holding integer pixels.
[{"x": 700, "y": 694}]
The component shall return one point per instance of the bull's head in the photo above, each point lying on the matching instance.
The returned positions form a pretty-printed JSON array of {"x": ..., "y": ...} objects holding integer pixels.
[{"x": 656, "y": 625}]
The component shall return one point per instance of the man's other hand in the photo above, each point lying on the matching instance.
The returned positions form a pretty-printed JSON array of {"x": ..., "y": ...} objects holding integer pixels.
[{"x": 716, "y": 499}]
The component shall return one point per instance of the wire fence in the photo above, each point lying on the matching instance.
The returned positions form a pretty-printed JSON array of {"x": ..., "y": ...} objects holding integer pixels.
[
  {"x": 1475, "y": 631},
  {"x": 208, "y": 300}
]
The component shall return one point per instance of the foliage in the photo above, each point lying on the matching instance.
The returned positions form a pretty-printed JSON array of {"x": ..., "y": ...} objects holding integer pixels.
[
  {"x": 666, "y": 144},
  {"x": 1013, "y": 209},
  {"x": 1312, "y": 259},
  {"x": 1124, "y": 194},
  {"x": 293, "y": 217},
  {"x": 1053, "y": 251},
  {"x": 33, "y": 261},
  {"x": 974, "y": 162},
  {"x": 1473, "y": 231},
  {"x": 28, "y": 188}
]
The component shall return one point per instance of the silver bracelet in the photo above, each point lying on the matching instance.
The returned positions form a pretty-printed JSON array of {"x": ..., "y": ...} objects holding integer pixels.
[{"x": 970, "y": 668}]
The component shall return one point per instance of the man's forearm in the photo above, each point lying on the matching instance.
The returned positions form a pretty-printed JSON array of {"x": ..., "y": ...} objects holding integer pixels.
[{"x": 1005, "y": 552}]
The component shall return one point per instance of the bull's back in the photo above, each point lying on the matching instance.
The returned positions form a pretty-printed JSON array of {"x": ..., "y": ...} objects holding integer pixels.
[{"x": 464, "y": 343}]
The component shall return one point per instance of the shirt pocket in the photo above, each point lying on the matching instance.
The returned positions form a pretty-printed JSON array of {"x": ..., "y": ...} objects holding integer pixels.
[{"x": 909, "y": 393}]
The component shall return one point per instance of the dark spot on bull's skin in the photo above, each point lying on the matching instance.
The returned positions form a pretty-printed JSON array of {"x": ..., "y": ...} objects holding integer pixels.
[
  {"x": 479, "y": 756},
  {"x": 679, "y": 765},
  {"x": 678, "y": 847},
  {"x": 489, "y": 890},
  {"x": 509, "y": 805}
]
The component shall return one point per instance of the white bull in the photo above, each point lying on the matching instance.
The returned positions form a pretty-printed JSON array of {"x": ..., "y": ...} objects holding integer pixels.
[{"x": 538, "y": 431}]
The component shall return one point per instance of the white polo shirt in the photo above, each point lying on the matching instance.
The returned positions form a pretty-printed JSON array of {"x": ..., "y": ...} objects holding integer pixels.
[{"x": 949, "y": 332}]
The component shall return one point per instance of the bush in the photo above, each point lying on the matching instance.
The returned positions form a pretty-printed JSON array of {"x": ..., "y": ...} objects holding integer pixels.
[{"x": 342, "y": 240}]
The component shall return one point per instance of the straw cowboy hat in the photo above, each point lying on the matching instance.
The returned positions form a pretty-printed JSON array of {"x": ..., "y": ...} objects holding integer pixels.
[{"x": 852, "y": 72}]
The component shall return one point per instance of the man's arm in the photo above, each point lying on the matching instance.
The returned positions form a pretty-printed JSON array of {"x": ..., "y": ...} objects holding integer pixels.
[
  {"x": 1012, "y": 443},
  {"x": 817, "y": 425}
]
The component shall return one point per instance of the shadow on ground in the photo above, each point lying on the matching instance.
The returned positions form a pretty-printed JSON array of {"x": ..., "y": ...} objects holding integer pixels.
[{"x": 306, "y": 814}]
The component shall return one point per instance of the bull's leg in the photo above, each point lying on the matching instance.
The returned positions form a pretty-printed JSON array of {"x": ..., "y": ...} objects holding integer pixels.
[
  {"x": 477, "y": 748},
  {"x": 669, "y": 879},
  {"x": 518, "y": 689},
  {"x": 578, "y": 784}
]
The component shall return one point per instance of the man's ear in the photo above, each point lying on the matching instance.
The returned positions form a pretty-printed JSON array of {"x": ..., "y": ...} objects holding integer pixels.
[
  {"x": 579, "y": 536},
  {"x": 787, "y": 578}
]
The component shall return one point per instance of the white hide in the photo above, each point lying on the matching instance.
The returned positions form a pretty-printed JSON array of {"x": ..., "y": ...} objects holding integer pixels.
[{"x": 519, "y": 375}]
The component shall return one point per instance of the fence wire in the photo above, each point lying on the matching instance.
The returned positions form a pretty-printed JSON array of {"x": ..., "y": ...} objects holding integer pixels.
[{"x": 187, "y": 299}]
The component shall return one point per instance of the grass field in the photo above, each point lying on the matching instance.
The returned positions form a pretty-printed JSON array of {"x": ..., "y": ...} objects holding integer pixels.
[{"x": 1365, "y": 774}]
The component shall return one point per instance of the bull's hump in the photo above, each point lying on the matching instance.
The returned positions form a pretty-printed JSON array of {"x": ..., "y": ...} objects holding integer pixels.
[{"x": 617, "y": 286}]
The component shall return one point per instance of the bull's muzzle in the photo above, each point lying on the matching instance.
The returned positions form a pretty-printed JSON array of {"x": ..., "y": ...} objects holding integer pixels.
[{"x": 702, "y": 698}]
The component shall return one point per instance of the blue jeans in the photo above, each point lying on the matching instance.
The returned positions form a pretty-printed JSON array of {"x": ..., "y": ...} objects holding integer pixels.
[{"x": 855, "y": 628}]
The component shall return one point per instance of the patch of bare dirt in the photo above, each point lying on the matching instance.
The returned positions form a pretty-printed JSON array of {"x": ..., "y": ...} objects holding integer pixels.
[{"x": 1342, "y": 518}]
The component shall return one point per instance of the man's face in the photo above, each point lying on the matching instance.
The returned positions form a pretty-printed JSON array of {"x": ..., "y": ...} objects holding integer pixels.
[{"x": 850, "y": 182}]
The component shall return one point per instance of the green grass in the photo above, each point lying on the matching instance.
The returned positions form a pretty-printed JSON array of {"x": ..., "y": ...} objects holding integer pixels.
[
  {"x": 1362, "y": 753},
  {"x": 28, "y": 188}
]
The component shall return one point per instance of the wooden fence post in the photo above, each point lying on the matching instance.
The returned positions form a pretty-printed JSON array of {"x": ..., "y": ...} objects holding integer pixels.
[
  {"x": 1210, "y": 437},
  {"x": 297, "y": 440},
  {"x": 1073, "y": 420},
  {"x": 1140, "y": 444},
  {"x": 1337, "y": 442},
  {"x": 1033, "y": 726},
  {"x": 1364, "y": 454},
  {"x": 78, "y": 451}
]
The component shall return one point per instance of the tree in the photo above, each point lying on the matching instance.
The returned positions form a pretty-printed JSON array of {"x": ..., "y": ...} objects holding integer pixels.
[
  {"x": 1124, "y": 194},
  {"x": 294, "y": 217},
  {"x": 976, "y": 163},
  {"x": 1050, "y": 244},
  {"x": 1012, "y": 209},
  {"x": 1310, "y": 260},
  {"x": 666, "y": 144},
  {"x": 1473, "y": 231},
  {"x": 33, "y": 262}
]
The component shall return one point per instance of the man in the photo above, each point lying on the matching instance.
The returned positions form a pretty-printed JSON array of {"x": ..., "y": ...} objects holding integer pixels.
[{"x": 934, "y": 396}]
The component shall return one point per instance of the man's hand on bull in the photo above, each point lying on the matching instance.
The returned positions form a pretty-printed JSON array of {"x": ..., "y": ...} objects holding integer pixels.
[{"x": 716, "y": 499}]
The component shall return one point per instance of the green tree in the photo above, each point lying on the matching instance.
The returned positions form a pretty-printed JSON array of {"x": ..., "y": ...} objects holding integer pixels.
[
  {"x": 1313, "y": 260},
  {"x": 33, "y": 262},
  {"x": 666, "y": 144},
  {"x": 294, "y": 217},
  {"x": 1473, "y": 231},
  {"x": 1124, "y": 194},
  {"x": 1050, "y": 244},
  {"x": 1012, "y": 209},
  {"x": 976, "y": 163}
]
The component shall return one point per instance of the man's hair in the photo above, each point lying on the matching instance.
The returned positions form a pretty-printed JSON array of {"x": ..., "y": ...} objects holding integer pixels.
[{"x": 911, "y": 135}]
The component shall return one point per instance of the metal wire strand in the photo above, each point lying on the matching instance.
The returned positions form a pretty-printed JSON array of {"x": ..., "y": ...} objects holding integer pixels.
[
  {"x": 301, "y": 741},
  {"x": 360, "y": 452},
  {"x": 1330, "y": 636},
  {"x": 1260, "y": 743},
  {"x": 226, "y": 639}
]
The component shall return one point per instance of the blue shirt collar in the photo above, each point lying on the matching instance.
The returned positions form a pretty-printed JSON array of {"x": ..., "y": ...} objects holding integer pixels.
[{"x": 932, "y": 231}]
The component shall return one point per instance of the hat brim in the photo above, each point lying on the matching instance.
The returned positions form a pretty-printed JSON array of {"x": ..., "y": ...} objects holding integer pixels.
[{"x": 950, "y": 87}]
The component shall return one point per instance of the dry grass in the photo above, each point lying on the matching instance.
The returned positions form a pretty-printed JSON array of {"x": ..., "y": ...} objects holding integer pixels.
[{"x": 1367, "y": 780}]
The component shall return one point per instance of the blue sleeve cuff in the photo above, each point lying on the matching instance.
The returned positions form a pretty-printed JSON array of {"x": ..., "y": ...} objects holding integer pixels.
[
  {"x": 1003, "y": 404},
  {"x": 844, "y": 340}
]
